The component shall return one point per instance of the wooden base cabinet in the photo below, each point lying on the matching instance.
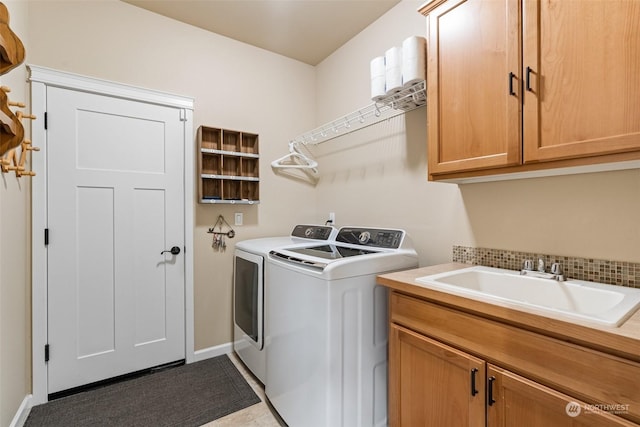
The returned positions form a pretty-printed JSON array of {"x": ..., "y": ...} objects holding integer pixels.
[
  {"x": 515, "y": 86},
  {"x": 517, "y": 401},
  {"x": 431, "y": 384},
  {"x": 435, "y": 384}
]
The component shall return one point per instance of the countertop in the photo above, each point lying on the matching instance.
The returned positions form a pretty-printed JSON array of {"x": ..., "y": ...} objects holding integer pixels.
[{"x": 623, "y": 341}]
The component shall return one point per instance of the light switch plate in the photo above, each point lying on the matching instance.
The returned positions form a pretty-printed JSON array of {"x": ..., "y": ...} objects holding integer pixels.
[{"x": 238, "y": 218}]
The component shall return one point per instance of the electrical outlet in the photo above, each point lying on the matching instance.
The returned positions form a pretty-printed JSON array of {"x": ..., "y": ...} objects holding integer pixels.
[
  {"x": 332, "y": 218},
  {"x": 238, "y": 218}
]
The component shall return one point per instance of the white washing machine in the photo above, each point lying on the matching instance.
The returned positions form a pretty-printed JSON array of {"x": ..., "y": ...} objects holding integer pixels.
[
  {"x": 249, "y": 286},
  {"x": 326, "y": 344}
]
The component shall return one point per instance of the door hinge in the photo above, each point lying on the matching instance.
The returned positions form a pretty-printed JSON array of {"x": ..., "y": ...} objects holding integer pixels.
[
  {"x": 45, "y": 120},
  {"x": 46, "y": 236},
  {"x": 183, "y": 115},
  {"x": 46, "y": 352}
]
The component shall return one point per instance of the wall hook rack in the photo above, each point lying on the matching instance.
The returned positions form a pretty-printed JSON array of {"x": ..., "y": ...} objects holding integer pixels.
[
  {"x": 12, "y": 136},
  {"x": 12, "y": 51},
  {"x": 230, "y": 234},
  {"x": 12, "y": 132},
  {"x": 11, "y": 162},
  {"x": 219, "y": 243}
]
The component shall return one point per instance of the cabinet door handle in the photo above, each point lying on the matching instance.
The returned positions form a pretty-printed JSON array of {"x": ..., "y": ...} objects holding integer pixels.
[
  {"x": 474, "y": 390},
  {"x": 528, "y": 79},
  {"x": 490, "y": 399},
  {"x": 511, "y": 90}
]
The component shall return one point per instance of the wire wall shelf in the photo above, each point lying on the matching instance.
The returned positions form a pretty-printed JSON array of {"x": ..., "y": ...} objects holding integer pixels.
[{"x": 387, "y": 107}]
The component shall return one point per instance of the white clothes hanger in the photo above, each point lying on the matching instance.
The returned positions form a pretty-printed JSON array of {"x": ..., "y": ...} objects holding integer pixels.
[{"x": 296, "y": 160}]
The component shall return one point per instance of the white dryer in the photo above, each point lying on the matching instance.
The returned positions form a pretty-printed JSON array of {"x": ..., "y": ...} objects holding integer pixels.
[
  {"x": 249, "y": 287},
  {"x": 327, "y": 327}
]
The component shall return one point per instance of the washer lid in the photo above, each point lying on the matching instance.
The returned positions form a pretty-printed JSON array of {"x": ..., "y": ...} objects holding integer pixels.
[
  {"x": 320, "y": 256},
  {"x": 330, "y": 252}
]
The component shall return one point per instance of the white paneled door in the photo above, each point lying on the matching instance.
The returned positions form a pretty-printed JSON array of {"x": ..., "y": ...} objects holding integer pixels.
[{"x": 115, "y": 202}]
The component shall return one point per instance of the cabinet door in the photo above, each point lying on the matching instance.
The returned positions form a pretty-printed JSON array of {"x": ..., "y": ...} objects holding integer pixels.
[
  {"x": 521, "y": 402},
  {"x": 430, "y": 384},
  {"x": 474, "y": 61},
  {"x": 582, "y": 59}
]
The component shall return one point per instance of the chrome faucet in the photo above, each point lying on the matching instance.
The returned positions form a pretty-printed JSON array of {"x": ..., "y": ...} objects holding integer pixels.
[
  {"x": 558, "y": 273},
  {"x": 555, "y": 274}
]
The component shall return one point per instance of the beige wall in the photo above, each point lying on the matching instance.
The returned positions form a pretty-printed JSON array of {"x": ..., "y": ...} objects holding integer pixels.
[
  {"x": 15, "y": 264},
  {"x": 235, "y": 86},
  {"x": 378, "y": 177},
  {"x": 590, "y": 215}
]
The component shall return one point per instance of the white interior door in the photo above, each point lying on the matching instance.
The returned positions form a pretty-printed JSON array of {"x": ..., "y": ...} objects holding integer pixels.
[{"x": 115, "y": 201}]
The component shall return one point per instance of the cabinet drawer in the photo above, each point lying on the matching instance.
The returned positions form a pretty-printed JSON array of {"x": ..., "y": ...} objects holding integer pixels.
[{"x": 596, "y": 377}]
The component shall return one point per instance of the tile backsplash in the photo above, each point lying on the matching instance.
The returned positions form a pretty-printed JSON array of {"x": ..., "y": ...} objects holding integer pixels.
[{"x": 593, "y": 270}]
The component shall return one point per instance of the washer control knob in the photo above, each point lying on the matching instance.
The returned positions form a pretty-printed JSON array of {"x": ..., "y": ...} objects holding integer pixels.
[
  {"x": 364, "y": 237},
  {"x": 308, "y": 232}
]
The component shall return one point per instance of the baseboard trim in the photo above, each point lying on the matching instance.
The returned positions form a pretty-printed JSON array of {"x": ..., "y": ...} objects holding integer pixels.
[
  {"x": 23, "y": 412},
  {"x": 208, "y": 353}
]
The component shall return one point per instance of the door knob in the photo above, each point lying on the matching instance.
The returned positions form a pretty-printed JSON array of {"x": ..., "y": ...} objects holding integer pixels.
[{"x": 174, "y": 251}]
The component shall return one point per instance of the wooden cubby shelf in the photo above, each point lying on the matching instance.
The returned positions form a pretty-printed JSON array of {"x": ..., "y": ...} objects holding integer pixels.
[{"x": 228, "y": 166}]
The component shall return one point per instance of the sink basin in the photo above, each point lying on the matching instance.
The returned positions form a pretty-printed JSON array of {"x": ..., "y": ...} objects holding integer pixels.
[{"x": 571, "y": 300}]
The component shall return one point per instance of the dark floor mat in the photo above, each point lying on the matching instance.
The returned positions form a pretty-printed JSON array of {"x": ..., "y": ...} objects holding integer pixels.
[{"x": 189, "y": 395}]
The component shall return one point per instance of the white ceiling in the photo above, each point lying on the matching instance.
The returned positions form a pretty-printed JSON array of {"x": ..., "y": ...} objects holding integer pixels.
[{"x": 306, "y": 30}]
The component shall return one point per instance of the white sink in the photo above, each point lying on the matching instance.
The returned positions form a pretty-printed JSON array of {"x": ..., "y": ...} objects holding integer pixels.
[{"x": 573, "y": 299}]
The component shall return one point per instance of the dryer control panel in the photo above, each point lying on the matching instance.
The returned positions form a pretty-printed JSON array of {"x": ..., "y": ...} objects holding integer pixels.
[
  {"x": 316, "y": 232},
  {"x": 375, "y": 237}
]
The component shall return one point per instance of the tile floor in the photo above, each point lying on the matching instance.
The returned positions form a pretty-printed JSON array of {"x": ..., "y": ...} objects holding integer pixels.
[{"x": 258, "y": 415}]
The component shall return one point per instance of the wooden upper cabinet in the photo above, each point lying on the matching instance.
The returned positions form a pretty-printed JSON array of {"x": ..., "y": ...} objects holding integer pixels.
[
  {"x": 583, "y": 61},
  {"x": 473, "y": 82},
  {"x": 517, "y": 86}
]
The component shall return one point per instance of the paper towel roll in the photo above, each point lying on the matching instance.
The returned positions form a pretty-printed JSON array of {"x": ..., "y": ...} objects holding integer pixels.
[
  {"x": 413, "y": 60},
  {"x": 393, "y": 70},
  {"x": 378, "y": 83}
]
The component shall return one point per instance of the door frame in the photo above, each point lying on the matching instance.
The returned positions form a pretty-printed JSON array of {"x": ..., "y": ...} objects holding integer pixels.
[{"x": 41, "y": 78}]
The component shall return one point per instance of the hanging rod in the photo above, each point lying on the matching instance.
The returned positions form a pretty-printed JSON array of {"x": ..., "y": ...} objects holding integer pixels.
[{"x": 390, "y": 106}]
